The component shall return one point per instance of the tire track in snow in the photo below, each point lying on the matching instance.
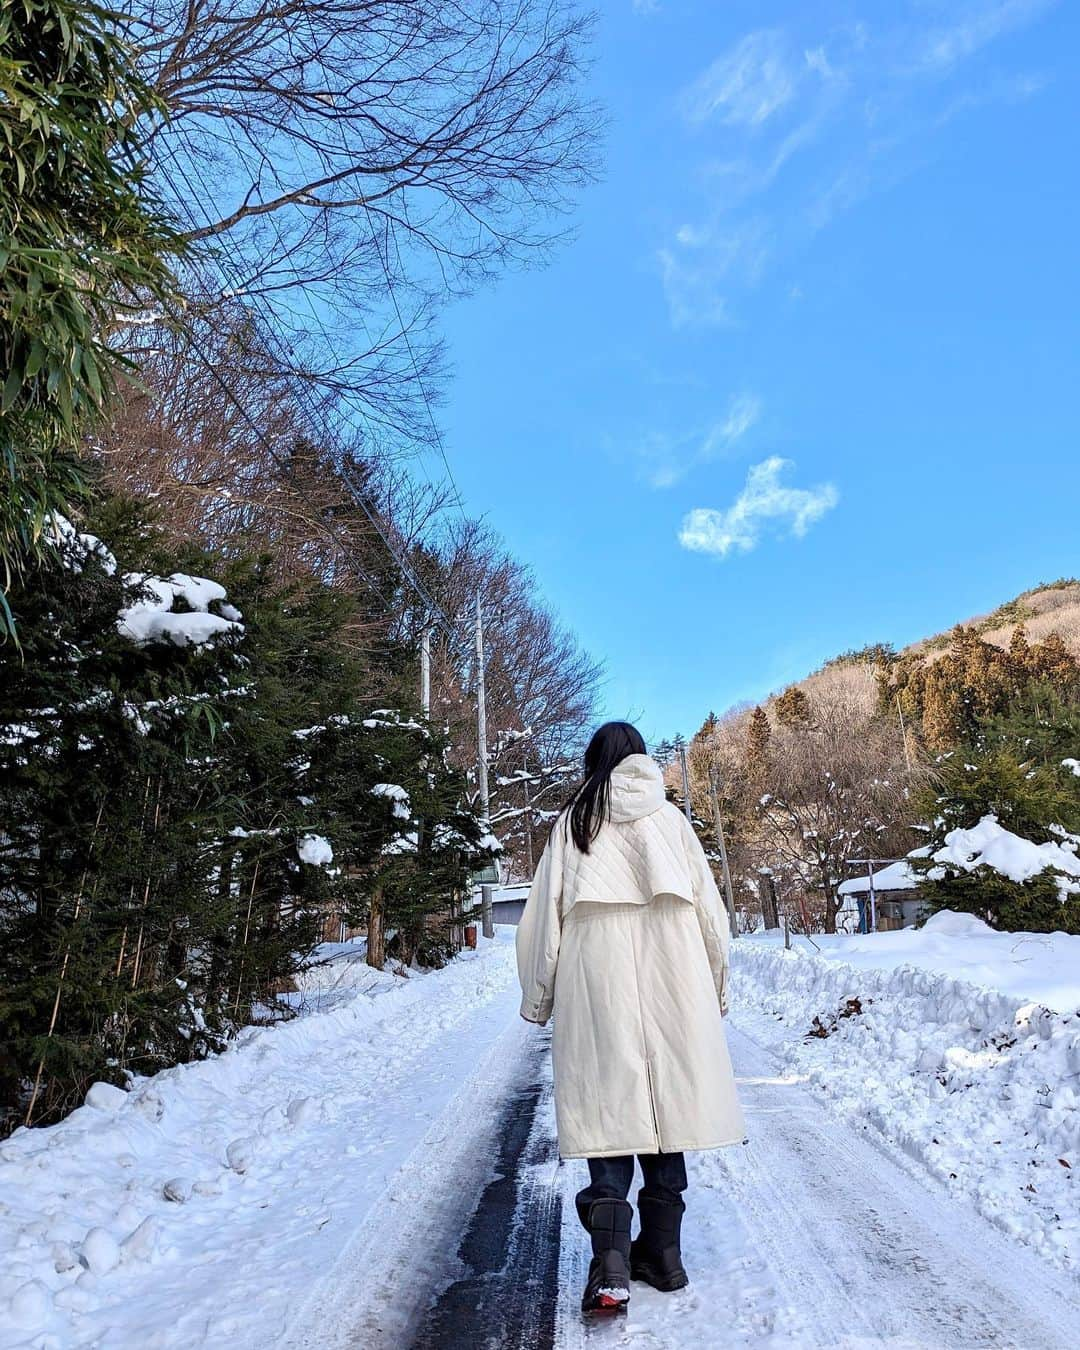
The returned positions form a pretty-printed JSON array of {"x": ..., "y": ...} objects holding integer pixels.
[
  {"x": 866, "y": 1251},
  {"x": 506, "y": 1298},
  {"x": 377, "y": 1289}
]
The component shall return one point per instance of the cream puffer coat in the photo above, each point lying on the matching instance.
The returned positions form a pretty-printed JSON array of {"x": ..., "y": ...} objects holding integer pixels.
[{"x": 628, "y": 944}]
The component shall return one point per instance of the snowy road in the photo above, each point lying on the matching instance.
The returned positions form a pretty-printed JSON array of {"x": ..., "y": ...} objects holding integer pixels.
[
  {"x": 399, "y": 1189},
  {"x": 813, "y": 1235}
]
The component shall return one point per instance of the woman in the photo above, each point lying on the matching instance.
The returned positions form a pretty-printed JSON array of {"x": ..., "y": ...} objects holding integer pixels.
[{"x": 625, "y": 939}]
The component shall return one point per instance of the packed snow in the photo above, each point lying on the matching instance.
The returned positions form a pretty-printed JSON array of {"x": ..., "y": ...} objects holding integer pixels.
[
  {"x": 958, "y": 1043},
  {"x": 205, "y": 1205},
  {"x": 299, "y": 1189}
]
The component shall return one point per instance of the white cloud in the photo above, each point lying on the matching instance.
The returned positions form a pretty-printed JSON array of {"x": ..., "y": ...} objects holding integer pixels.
[
  {"x": 979, "y": 25},
  {"x": 745, "y": 86},
  {"x": 802, "y": 123},
  {"x": 645, "y": 6},
  {"x": 667, "y": 459},
  {"x": 701, "y": 265},
  {"x": 763, "y": 501}
]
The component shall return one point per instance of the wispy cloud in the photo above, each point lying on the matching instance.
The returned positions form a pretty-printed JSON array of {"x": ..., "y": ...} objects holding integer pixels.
[
  {"x": 666, "y": 459},
  {"x": 975, "y": 27},
  {"x": 745, "y": 86},
  {"x": 799, "y": 131},
  {"x": 704, "y": 262},
  {"x": 764, "y": 504},
  {"x": 645, "y": 6}
]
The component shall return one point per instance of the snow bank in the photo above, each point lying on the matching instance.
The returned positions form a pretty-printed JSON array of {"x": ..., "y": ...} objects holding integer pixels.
[
  {"x": 1039, "y": 967},
  {"x": 190, "y": 1210},
  {"x": 978, "y": 1083}
]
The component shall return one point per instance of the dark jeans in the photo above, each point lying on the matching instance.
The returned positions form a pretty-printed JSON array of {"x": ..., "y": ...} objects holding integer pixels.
[{"x": 611, "y": 1178}]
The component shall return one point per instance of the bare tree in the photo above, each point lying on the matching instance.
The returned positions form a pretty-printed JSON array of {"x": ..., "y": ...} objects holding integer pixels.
[
  {"x": 836, "y": 787},
  {"x": 351, "y": 162},
  {"x": 541, "y": 687}
]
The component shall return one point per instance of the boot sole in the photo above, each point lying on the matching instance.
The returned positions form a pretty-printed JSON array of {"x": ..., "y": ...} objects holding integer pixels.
[
  {"x": 665, "y": 1286},
  {"x": 606, "y": 1306}
]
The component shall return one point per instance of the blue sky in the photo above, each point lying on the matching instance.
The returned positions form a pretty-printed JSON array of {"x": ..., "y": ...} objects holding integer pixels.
[{"x": 808, "y": 375}]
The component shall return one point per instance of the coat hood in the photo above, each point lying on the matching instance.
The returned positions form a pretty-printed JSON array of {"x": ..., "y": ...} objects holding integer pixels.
[{"x": 637, "y": 788}]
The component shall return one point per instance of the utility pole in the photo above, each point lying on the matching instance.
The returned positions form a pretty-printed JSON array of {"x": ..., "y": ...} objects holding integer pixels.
[
  {"x": 425, "y": 672},
  {"x": 482, "y": 756},
  {"x": 487, "y": 921},
  {"x": 685, "y": 782},
  {"x": 719, "y": 827},
  {"x": 481, "y": 714}
]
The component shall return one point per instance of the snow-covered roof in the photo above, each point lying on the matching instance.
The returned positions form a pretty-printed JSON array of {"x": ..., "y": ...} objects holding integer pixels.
[{"x": 897, "y": 876}]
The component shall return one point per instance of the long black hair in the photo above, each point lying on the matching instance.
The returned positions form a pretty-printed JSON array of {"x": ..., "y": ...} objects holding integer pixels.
[{"x": 588, "y": 808}]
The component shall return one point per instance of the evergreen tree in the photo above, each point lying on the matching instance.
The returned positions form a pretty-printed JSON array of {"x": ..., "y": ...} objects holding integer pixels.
[
  {"x": 792, "y": 707},
  {"x": 188, "y": 799},
  {"x": 1018, "y": 768},
  {"x": 758, "y": 735}
]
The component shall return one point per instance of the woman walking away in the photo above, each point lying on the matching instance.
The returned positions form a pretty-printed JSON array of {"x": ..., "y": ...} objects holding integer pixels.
[{"x": 625, "y": 938}]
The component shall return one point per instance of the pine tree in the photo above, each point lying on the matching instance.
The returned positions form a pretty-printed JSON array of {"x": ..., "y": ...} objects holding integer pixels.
[
  {"x": 792, "y": 707},
  {"x": 757, "y": 745},
  {"x": 1017, "y": 767}
]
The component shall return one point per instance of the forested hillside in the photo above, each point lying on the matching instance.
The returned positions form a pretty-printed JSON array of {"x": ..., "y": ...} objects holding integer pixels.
[{"x": 962, "y": 746}]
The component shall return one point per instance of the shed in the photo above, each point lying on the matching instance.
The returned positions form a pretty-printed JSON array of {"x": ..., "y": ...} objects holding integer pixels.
[{"x": 894, "y": 886}]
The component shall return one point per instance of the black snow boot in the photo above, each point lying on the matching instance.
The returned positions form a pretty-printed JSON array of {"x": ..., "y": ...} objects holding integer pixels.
[
  {"x": 655, "y": 1255},
  {"x": 608, "y": 1287}
]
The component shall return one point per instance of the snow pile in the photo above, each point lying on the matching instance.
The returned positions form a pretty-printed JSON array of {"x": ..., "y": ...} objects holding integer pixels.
[
  {"x": 402, "y": 807},
  {"x": 155, "y": 618},
  {"x": 315, "y": 850},
  {"x": 1031, "y": 967},
  {"x": 989, "y": 844},
  {"x": 193, "y": 1208},
  {"x": 978, "y": 1083}
]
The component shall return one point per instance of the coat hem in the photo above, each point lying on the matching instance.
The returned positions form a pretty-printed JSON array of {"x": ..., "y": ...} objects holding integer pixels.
[{"x": 650, "y": 1147}]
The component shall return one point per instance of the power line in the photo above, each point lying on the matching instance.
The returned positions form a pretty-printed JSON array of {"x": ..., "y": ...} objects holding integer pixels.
[
  {"x": 278, "y": 459},
  {"x": 357, "y": 494},
  {"x": 318, "y": 321},
  {"x": 412, "y": 357}
]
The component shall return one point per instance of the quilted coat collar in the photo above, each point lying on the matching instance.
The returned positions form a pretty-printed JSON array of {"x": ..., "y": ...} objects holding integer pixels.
[{"x": 637, "y": 788}]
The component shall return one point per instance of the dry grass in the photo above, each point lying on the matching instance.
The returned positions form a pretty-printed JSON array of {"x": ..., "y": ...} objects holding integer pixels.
[{"x": 1053, "y": 608}]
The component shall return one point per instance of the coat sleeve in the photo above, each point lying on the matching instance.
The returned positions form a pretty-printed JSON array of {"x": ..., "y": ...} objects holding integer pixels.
[
  {"x": 711, "y": 915},
  {"x": 538, "y": 936}
]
